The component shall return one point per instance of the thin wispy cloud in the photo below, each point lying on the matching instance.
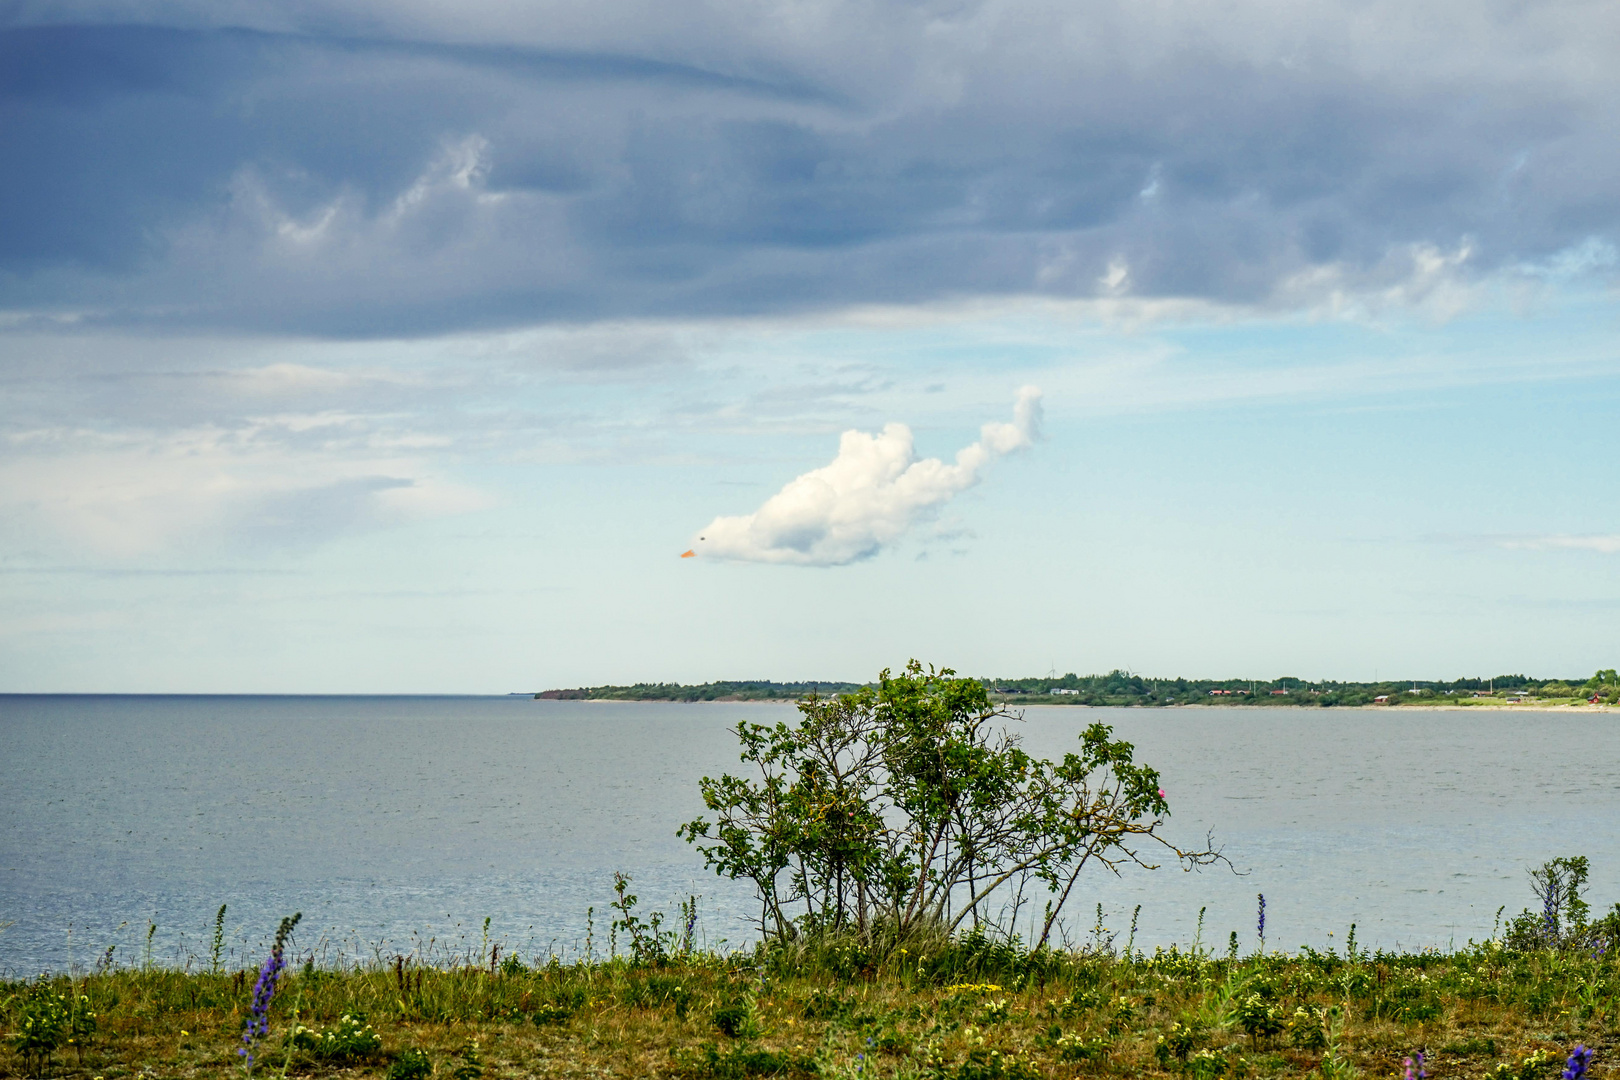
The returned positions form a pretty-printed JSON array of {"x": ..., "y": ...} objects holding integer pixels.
[
  {"x": 1607, "y": 544},
  {"x": 872, "y": 494},
  {"x": 254, "y": 488}
]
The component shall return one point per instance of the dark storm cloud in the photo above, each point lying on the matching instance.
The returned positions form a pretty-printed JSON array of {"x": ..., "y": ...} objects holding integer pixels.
[{"x": 394, "y": 171}]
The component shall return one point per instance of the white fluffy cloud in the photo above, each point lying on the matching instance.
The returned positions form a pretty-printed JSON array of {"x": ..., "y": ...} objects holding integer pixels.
[{"x": 867, "y": 498}]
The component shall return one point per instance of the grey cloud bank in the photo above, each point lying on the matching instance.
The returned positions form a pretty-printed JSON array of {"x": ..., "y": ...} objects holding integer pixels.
[{"x": 383, "y": 170}]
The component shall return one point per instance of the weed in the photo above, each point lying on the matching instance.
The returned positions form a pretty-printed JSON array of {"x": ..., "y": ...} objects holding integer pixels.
[
  {"x": 648, "y": 944},
  {"x": 560, "y": 1006},
  {"x": 1207, "y": 1065},
  {"x": 1477, "y": 1046},
  {"x": 411, "y": 1064},
  {"x": 1177, "y": 1044},
  {"x": 737, "y": 1018},
  {"x": 351, "y": 1040},
  {"x": 1076, "y": 1048},
  {"x": 710, "y": 1063},
  {"x": 43, "y": 1026},
  {"x": 1306, "y": 1030},
  {"x": 472, "y": 1061},
  {"x": 821, "y": 1005},
  {"x": 1534, "y": 1066},
  {"x": 1258, "y": 1017},
  {"x": 217, "y": 948}
]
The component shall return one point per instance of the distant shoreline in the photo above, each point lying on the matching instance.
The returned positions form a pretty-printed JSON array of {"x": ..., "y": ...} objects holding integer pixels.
[
  {"x": 1127, "y": 689},
  {"x": 1413, "y": 706}
]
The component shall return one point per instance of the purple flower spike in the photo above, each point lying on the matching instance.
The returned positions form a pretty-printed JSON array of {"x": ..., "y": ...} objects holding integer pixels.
[
  {"x": 264, "y": 992},
  {"x": 1579, "y": 1060},
  {"x": 1414, "y": 1067}
]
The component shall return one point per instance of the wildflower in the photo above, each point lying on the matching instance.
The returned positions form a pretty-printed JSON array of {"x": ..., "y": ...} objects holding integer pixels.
[
  {"x": 1414, "y": 1067},
  {"x": 264, "y": 991},
  {"x": 1579, "y": 1060},
  {"x": 1260, "y": 924}
]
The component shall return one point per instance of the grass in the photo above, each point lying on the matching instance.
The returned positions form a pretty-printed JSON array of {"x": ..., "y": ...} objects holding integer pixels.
[{"x": 963, "y": 1010}]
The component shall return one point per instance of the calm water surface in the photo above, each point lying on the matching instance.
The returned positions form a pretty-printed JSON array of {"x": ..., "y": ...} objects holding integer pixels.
[{"x": 395, "y": 822}]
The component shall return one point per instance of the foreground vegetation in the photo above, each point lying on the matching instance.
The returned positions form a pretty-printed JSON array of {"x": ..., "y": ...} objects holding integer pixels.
[
  {"x": 968, "y": 1009},
  {"x": 1124, "y": 689}
]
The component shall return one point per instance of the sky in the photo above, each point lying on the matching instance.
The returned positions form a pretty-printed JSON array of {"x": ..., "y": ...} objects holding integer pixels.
[{"x": 350, "y": 346}]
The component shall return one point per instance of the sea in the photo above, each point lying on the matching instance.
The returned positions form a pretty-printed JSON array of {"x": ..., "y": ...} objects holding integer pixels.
[{"x": 440, "y": 827}]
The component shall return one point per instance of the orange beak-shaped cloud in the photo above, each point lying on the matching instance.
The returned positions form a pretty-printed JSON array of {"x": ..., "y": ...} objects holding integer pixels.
[{"x": 688, "y": 554}]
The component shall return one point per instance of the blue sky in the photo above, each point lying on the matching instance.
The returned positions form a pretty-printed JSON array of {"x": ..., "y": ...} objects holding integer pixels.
[{"x": 351, "y": 346}]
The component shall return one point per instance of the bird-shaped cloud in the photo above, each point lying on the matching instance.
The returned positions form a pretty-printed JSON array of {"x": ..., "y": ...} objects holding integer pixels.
[{"x": 867, "y": 498}]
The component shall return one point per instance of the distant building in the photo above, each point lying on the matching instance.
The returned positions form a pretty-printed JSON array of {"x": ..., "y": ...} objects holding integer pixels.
[
  {"x": 1381, "y": 699},
  {"x": 1062, "y": 690},
  {"x": 1278, "y": 693}
]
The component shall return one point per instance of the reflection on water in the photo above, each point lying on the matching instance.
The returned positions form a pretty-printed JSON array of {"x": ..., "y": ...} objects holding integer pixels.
[{"x": 391, "y": 822}]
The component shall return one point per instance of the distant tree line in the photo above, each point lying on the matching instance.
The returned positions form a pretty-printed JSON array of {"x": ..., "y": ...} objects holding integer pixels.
[
  {"x": 1124, "y": 688},
  {"x": 743, "y": 690}
]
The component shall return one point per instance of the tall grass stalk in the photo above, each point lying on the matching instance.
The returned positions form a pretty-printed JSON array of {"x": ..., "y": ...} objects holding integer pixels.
[{"x": 216, "y": 951}]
